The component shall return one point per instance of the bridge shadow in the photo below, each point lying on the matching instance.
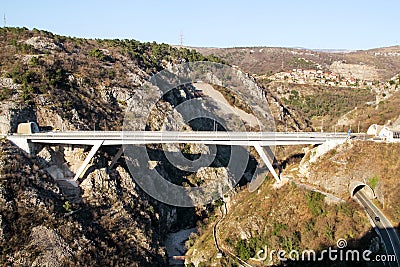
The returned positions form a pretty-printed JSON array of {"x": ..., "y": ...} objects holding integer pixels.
[
  {"x": 186, "y": 217},
  {"x": 295, "y": 158}
]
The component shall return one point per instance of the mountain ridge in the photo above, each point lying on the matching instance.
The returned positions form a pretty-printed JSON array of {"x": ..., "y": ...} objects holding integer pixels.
[{"x": 264, "y": 60}]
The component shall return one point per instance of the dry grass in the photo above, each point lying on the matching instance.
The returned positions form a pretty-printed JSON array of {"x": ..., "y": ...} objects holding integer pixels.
[
  {"x": 364, "y": 161},
  {"x": 287, "y": 219}
]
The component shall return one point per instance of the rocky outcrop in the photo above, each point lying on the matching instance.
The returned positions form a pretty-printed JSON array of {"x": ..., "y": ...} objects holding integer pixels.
[
  {"x": 115, "y": 224},
  {"x": 49, "y": 118},
  {"x": 357, "y": 71},
  {"x": 286, "y": 119},
  {"x": 43, "y": 44},
  {"x": 337, "y": 183},
  {"x": 12, "y": 114}
]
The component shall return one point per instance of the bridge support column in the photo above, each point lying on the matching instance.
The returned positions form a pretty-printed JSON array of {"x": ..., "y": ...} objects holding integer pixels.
[
  {"x": 264, "y": 157},
  {"x": 22, "y": 143},
  {"x": 116, "y": 157},
  {"x": 91, "y": 154}
]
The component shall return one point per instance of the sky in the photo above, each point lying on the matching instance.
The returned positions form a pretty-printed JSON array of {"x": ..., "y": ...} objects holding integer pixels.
[{"x": 338, "y": 24}]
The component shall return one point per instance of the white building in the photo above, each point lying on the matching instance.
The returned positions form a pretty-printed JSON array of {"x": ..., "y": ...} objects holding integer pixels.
[{"x": 384, "y": 133}]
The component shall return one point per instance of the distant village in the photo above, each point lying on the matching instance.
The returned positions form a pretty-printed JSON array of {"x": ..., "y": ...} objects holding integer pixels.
[{"x": 319, "y": 77}]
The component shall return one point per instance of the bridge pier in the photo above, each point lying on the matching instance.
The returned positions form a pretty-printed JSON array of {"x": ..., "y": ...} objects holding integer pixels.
[
  {"x": 96, "y": 145},
  {"x": 22, "y": 143},
  {"x": 116, "y": 157},
  {"x": 264, "y": 157}
]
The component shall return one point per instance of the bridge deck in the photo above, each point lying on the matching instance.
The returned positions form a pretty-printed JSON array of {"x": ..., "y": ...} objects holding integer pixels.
[{"x": 151, "y": 137}]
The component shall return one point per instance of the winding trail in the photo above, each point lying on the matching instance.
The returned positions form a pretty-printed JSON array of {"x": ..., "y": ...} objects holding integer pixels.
[{"x": 224, "y": 210}]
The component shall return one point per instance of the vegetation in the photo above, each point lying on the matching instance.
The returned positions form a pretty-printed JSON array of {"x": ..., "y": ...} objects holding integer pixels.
[
  {"x": 385, "y": 112},
  {"x": 30, "y": 202},
  {"x": 245, "y": 249},
  {"x": 67, "y": 206},
  {"x": 327, "y": 101},
  {"x": 269, "y": 60},
  {"x": 315, "y": 202},
  {"x": 321, "y": 106},
  {"x": 75, "y": 78},
  {"x": 358, "y": 157},
  {"x": 373, "y": 182},
  {"x": 252, "y": 224},
  {"x": 99, "y": 54},
  {"x": 301, "y": 63}
]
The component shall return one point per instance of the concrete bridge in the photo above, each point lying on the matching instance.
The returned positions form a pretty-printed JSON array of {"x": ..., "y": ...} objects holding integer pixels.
[
  {"x": 96, "y": 139},
  {"x": 258, "y": 140}
]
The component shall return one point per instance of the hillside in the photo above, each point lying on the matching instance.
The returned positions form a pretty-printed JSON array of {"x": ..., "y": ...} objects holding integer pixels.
[
  {"x": 328, "y": 90},
  {"x": 288, "y": 218},
  {"x": 79, "y": 84},
  {"x": 292, "y": 217},
  {"x": 339, "y": 109},
  {"x": 73, "y": 83},
  {"x": 68, "y": 84},
  {"x": 39, "y": 226},
  {"x": 379, "y": 63},
  {"x": 376, "y": 164}
]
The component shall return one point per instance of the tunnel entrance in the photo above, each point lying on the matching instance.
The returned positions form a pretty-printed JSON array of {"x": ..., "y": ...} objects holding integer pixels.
[{"x": 356, "y": 186}]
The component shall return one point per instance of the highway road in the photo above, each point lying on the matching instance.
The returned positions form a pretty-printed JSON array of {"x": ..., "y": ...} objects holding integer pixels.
[
  {"x": 385, "y": 228},
  {"x": 158, "y": 137}
]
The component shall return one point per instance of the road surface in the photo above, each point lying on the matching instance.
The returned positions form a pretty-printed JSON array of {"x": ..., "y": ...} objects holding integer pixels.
[
  {"x": 385, "y": 228},
  {"x": 203, "y": 137}
]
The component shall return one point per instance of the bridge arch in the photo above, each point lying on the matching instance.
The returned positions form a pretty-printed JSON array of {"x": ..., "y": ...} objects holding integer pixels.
[{"x": 356, "y": 186}]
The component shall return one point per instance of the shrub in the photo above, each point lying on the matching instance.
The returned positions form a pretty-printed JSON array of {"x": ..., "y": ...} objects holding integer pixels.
[
  {"x": 5, "y": 93},
  {"x": 246, "y": 249},
  {"x": 34, "y": 61},
  {"x": 98, "y": 54},
  {"x": 315, "y": 203},
  {"x": 278, "y": 227},
  {"x": 67, "y": 206},
  {"x": 373, "y": 182},
  {"x": 243, "y": 250}
]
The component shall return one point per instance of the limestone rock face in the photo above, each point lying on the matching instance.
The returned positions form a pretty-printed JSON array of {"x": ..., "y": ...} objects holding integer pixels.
[
  {"x": 50, "y": 118},
  {"x": 333, "y": 168},
  {"x": 113, "y": 213},
  {"x": 357, "y": 71},
  {"x": 11, "y": 114},
  {"x": 337, "y": 183},
  {"x": 43, "y": 44}
]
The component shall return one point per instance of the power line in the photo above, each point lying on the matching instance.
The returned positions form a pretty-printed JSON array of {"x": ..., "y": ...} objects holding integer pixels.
[
  {"x": 181, "y": 39},
  {"x": 5, "y": 21}
]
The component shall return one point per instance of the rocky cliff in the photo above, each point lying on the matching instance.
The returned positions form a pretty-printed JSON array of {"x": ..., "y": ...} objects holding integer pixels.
[
  {"x": 113, "y": 224},
  {"x": 66, "y": 84}
]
